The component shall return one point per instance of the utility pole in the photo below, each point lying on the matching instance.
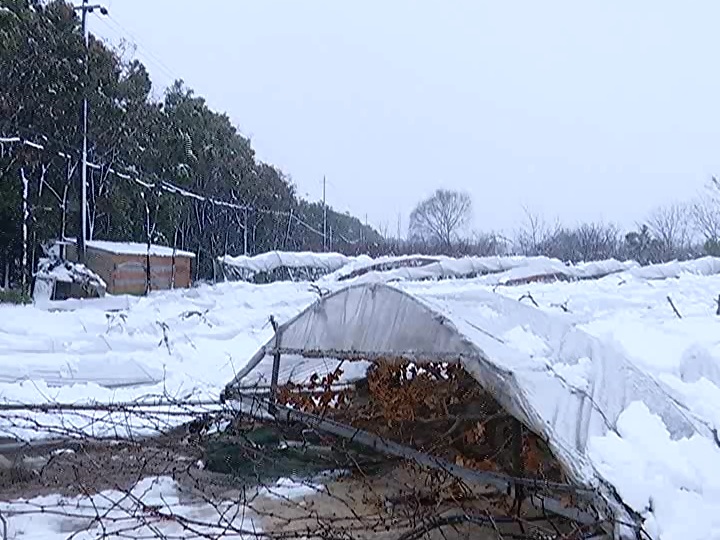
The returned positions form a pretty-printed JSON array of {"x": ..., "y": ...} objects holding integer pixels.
[
  {"x": 84, "y": 10},
  {"x": 324, "y": 217}
]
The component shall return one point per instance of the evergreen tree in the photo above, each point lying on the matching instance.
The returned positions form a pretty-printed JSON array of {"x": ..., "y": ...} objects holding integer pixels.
[{"x": 179, "y": 140}]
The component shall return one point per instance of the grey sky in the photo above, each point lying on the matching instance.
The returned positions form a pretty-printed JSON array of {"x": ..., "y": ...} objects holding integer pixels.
[{"x": 579, "y": 110}]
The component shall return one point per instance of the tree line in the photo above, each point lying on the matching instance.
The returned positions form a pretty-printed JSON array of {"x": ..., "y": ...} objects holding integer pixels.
[
  {"x": 46, "y": 71},
  {"x": 142, "y": 144},
  {"x": 440, "y": 224}
]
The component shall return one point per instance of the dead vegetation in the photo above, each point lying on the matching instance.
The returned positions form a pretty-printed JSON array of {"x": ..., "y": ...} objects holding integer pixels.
[
  {"x": 436, "y": 408},
  {"x": 440, "y": 410},
  {"x": 408, "y": 446}
]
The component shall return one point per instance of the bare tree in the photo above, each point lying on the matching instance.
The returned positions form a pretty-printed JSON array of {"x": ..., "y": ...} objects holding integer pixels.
[
  {"x": 485, "y": 244},
  {"x": 441, "y": 218},
  {"x": 584, "y": 242},
  {"x": 706, "y": 216},
  {"x": 534, "y": 234},
  {"x": 384, "y": 229},
  {"x": 598, "y": 241},
  {"x": 671, "y": 226}
]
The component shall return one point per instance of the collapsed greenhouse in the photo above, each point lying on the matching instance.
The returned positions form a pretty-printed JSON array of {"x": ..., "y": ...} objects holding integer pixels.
[{"x": 478, "y": 386}]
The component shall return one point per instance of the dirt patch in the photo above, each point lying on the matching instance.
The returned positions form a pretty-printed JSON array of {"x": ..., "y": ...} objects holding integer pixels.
[
  {"x": 395, "y": 500},
  {"x": 439, "y": 412},
  {"x": 399, "y": 501},
  {"x": 88, "y": 468}
]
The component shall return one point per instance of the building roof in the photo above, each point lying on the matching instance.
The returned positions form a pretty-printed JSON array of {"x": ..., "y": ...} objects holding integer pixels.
[{"x": 136, "y": 248}]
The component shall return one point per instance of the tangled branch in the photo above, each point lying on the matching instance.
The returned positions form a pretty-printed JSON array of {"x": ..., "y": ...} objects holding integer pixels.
[{"x": 168, "y": 468}]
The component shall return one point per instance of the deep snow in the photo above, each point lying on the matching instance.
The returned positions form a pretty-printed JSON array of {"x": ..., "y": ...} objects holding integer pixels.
[{"x": 189, "y": 344}]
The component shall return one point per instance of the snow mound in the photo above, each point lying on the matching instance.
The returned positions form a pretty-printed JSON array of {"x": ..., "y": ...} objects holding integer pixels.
[
  {"x": 705, "y": 266},
  {"x": 171, "y": 345}
]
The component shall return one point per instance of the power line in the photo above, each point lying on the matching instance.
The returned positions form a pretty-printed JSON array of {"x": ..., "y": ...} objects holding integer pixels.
[
  {"x": 113, "y": 24},
  {"x": 114, "y": 38},
  {"x": 163, "y": 185},
  {"x": 168, "y": 187}
]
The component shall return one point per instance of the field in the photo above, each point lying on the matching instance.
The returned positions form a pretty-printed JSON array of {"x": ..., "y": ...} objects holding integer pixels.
[{"x": 187, "y": 345}]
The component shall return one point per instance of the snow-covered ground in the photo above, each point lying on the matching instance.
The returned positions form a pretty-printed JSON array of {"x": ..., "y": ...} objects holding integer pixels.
[
  {"x": 189, "y": 344},
  {"x": 180, "y": 345},
  {"x": 119, "y": 349},
  {"x": 156, "y": 507}
]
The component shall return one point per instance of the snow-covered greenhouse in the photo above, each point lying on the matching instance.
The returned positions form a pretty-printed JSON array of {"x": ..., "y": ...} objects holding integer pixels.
[{"x": 533, "y": 403}]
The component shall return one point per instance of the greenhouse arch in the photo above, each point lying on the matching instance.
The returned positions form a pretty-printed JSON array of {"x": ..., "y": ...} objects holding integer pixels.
[{"x": 513, "y": 351}]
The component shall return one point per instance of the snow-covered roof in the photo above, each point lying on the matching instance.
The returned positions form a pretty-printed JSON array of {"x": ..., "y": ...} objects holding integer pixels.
[
  {"x": 267, "y": 262},
  {"x": 582, "y": 395},
  {"x": 500, "y": 270},
  {"x": 705, "y": 266},
  {"x": 137, "y": 248},
  {"x": 497, "y": 270}
]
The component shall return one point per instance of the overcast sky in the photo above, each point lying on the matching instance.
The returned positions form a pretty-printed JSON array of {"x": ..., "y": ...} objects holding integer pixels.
[{"x": 577, "y": 110}]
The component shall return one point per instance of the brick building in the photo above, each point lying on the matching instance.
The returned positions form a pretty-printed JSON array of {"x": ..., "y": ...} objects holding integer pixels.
[{"x": 123, "y": 265}]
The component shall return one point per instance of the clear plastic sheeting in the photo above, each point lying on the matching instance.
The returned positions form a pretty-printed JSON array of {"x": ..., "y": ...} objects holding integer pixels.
[
  {"x": 331, "y": 269},
  {"x": 555, "y": 270},
  {"x": 565, "y": 385},
  {"x": 364, "y": 264},
  {"x": 296, "y": 369},
  {"x": 493, "y": 270},
  {"x": 247, "y": 267},
  {"x": 508, "y": 270},
  {"x": 422, "y": 267},
  {"x": 706, "y": 266}
]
